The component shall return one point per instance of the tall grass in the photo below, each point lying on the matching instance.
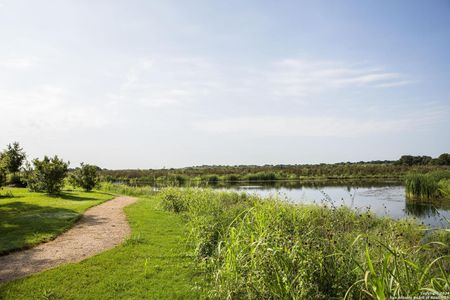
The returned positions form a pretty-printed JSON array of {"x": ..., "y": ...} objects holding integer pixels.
[
  {"x": 269, "y": 249},
  {"x": 428, "y": 186},
  {"x": 123, "y": 189}
]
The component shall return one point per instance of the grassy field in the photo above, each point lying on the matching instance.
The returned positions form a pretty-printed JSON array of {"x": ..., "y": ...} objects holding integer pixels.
[
  {"x": 27, "y": 218},
  {"x": 199, "y": 243},
  {"x": 154, "y": 263}
]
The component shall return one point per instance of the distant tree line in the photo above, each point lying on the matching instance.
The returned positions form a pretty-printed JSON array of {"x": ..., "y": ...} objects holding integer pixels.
[
  {"x": 47, "y": 175},
  {"x": 410, "y": 160},
  {"x": 378, "y": 169}
]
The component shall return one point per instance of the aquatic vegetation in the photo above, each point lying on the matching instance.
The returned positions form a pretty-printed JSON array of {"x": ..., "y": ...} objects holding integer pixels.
[
  {"x": 257, "y": 248},
  {"x": 428, "y": 186}
]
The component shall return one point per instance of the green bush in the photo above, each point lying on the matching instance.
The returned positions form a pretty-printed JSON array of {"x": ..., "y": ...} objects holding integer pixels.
[
  {"x": 48, "y": 175},
  {"x": 16, "y": 179},
  {"x": 85, "y": 177}
]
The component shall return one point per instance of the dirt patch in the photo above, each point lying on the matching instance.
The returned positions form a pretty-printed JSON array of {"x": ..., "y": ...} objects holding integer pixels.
[{"x": 101, "y": 228}]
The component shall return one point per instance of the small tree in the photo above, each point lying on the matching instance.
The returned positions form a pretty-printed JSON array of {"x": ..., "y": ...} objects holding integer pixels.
[
  {"x": 2, "y": 173},
  {"x": 85, "y": 177},
  {"x": 13, "y": 157},
  {"x": 48, "y": 175}
]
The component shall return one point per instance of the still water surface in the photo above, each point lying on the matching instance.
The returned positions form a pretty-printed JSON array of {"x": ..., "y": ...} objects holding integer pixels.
[{"x": 382, "y": 199}]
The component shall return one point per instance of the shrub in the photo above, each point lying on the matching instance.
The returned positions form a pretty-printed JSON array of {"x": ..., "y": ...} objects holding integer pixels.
[
  {"x": 16, "y": 179},
  {"x": 86, "y": 177},
  {"x": 48, "y": 175}
]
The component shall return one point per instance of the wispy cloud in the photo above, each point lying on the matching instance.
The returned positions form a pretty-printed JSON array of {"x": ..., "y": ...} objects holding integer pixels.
[
  {"x": 302, "y": 78},
  {"x": 176, "y": 81},
  {"x": 17, "y": 62},
  {"x": 319, "y": 126},
  {"x": 167, "y": 82},
  {"x": 47, "y": 108}
]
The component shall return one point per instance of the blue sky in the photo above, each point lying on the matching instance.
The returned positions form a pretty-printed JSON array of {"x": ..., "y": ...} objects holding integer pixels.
[{"x": 149, "y": 84}]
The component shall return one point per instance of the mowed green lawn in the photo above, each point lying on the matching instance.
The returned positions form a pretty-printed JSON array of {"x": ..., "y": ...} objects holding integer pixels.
[
  {"x": 27, "y": 218},
  {"x": 155, "y": 263}
]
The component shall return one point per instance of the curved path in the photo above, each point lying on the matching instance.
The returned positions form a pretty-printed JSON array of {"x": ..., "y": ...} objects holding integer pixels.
[{"x": 101, "y": 228}]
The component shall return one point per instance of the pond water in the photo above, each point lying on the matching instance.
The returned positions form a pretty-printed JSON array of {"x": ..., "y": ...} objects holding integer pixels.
[{"x": 383, "y": 199}]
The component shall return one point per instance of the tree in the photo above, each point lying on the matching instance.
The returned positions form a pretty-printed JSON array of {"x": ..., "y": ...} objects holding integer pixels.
[
  {"x": 48, "y": 175},
  {"x": 85, "y": 177},
  {"x": 13, "y": 157},
  {"x": 443, "y": 159},
  {"x": 2, "y": 172},
  {"x": 411, "y": 160}
]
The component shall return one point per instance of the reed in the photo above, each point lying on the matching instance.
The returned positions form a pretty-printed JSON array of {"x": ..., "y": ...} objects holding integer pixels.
[
  {"x": 256, "y": 248},
  {"x": 428, "y": 186}
]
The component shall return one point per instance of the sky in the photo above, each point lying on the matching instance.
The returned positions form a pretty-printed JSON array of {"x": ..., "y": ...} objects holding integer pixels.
[{"x": 152, "y": 84}]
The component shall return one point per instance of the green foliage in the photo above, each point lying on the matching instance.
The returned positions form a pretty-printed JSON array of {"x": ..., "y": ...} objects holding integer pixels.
[
  {"x": 122, "y": 189},
  {"x": 443, "y": 159},
  {"x": 262, "y": 176},
  {"x": 85, "y": 177},
  {"x": 428, "y": 186},
  {"x": 411, "y": 160},
  {"x": 48, "y": 175},
  {"x": 220, "y": 174},
  {"x": 269, "y": 249},
  {"x": 2, "y": 173},
  {"x": 13, "y": 157}
]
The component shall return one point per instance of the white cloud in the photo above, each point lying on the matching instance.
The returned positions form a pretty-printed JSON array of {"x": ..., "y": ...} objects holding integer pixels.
[
  {"x": 47, "y": 109},
  {"x": 168, "y": 82},
  {"x": 306, "y": 126},
  {"x": 16, "y": 62},
  {"x": 302, "y": 78}
]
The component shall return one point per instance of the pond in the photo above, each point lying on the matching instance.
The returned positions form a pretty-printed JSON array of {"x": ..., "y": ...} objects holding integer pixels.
[{"x": 383, "y": 199}]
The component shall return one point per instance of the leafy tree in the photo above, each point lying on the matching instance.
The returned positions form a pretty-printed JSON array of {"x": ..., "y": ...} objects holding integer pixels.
[
  {"x": 13, "y": 157},
  {"x": 2, "y": 173},
  {"x": 86, "y": 177},
  {"x": 411, "y": 160},
  {"x": 48, "y": 175},
  {"x": 443, "y": 159}
]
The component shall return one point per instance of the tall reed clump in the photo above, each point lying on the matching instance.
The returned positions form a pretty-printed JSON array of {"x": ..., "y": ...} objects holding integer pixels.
[
  {"x": 267, "y": 249},
  {"x": 428, "y": 186}
]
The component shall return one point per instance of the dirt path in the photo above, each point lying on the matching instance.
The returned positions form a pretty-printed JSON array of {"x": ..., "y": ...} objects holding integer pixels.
[{"x": 101, "y": 228}]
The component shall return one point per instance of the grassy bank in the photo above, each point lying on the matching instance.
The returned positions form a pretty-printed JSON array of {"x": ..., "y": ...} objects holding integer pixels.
[
  {"x": 433, "y": 185},
  {"x": 27, "y": 218},
  {"x": 154, "y": 263},
  {"x": 243, "y": 247},
  {"x": 266, "y": 249}
]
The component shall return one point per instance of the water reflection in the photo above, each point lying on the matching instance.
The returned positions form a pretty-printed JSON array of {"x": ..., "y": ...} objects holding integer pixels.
[
  {"x": 382, "y": 198},
  {"x": 385, "y": 199},
  {"x": 421, "y": 210}
]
